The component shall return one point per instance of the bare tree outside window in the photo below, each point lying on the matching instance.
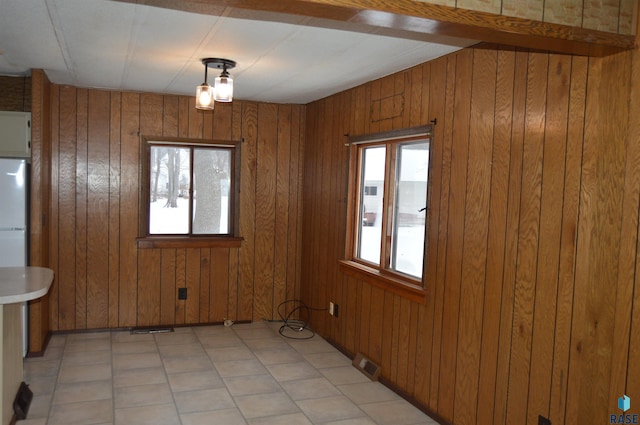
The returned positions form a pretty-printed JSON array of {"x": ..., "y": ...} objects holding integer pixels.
[
  {"x": 211, "y": 186},
  {"x": 189, "y": 189}
]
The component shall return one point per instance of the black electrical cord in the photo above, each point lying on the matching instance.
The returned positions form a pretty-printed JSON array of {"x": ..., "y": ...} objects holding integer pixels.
[{"x": 296, "y": 325}]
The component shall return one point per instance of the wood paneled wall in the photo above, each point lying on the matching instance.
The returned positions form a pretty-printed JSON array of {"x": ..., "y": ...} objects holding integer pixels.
[
  {"x": 533, "y": 304},
  {"x": 103, "y": 280},
  {"x": 39, "y": 202}
]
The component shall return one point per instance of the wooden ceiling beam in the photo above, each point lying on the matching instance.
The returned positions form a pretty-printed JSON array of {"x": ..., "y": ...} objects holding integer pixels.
[{"x": 414, "y": 18}]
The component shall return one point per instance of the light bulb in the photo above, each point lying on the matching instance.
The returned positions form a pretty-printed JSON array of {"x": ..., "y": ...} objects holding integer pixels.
[
  {"x": 204, "y": 98},
  {"x": 223, "y": 89}
]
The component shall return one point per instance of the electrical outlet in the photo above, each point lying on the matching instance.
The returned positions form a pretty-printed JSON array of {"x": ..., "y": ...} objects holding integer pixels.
[
  {"x": 182, "y": 293},
  {"x": 333, "y": 309}
]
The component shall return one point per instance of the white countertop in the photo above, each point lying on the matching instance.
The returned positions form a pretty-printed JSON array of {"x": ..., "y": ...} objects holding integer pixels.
[{"x": 19, "y": 284}]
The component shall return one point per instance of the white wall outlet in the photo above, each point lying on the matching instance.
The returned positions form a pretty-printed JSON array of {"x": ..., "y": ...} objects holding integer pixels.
[{"x": 331, "y": 308}]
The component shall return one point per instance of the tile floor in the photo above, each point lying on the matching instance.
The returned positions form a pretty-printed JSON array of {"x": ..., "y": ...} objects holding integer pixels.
[{"x": 243, "y": 374}]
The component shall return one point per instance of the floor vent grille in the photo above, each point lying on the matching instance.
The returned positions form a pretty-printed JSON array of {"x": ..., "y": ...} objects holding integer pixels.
[
  {"x": 150, "y": 330},
  {"x": 367, "y": 367}
]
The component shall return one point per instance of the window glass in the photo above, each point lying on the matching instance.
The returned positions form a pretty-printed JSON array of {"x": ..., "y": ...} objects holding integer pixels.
[
  {"x": 211, "y": 184},
  {"x": 190, "y": 189},
  {"x": 370, "y": 220},
  {"x": 412, "y": 171},
  {"x": 388, "y": 203},
  {"x": 170, "y": 181}
]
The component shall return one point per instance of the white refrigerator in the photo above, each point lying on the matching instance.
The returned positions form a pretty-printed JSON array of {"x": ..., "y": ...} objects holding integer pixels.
[{"x": 14, "y": 189}]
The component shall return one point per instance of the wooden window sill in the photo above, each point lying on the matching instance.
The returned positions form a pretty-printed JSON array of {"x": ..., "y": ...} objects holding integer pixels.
[
  {"x": 190, "y": 242},
  {"x": 385, "y": 281}
]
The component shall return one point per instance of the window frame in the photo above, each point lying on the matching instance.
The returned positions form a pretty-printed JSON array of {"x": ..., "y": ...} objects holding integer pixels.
[
  {"x": 232, "y": 239},
  {"x": 381, "y": 275}
]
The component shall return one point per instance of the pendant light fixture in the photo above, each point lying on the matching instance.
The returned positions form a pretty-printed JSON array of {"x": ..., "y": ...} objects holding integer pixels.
[{"x": 222, "y": 91}]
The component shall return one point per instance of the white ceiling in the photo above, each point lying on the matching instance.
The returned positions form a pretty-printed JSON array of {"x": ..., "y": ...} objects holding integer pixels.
[{"x": 131, "y": 47}]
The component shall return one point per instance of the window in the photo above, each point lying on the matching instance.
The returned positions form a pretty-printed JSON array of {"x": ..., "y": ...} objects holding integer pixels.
[
  {"x": 388, "y": 208},
  {"x": 189, "y": 189}
]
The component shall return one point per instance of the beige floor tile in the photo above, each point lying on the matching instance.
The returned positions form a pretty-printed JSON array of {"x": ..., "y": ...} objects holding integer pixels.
[
  {"x": 222, "y": 354},
  {"x": 252, "y": 384},
  {"x": 398, "y": 412},
  {"x": 278, "y": 355},
  {"x": 291, "y": 419},
  {"x": 42, "y": 385},
  {"x": 57, "y": 340},
  {"x": 142, "y": 395},
  {"x": 83, "y": 391},
  {"x": 244, "y": 374},
  {"x": 186, "y": 336},
  {"x": 84, "y": 373},
  {"x": 88, "y": 336},
  {"x": 84, "y": 413},
  {"x": 40, "y": 369},
  {"x": 266, "y": 343},
  {"x": 98, "y": 344},
  {"x": 204, "y": 400},
  {"x": 330, "y": 409},
  {"x": 314, "y": 345},
  {"x": 132, "y": 377},
  {"x": 134, "y": 347},
  {"x": 127, "y": 336},
  {"x": 191, "y": 381},
  {"x": 343, "y": 375},
  {"x": 304, "y": 389},
  {"x": 291, "y": 371},
  {"x": 52, "y": 353},
  {"x": 368, "y": 392},
  {"x": 75, "y": 358},
  {"x": 212, "y": 330},
  {"x": 165, "y": 414},
  {"x": 223, "y": 416},
  {"x": 136, "y": 361},
  {"x": 181, "y": 350},
  {"x": 183, "y": 364},
  {"x": 355, "y": 421},
  {"x": 39, "y": 421},
  {"x": 272, "y": 404},
  {"x": 324, "y": 360},
  {"x": 221, "y": 341},
  {"x": 240, "y": 368},
  {"x": 257, "y": 332}
]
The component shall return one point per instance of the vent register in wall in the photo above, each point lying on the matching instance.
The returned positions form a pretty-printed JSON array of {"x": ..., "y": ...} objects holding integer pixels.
[{"x": 367, "y": 367}]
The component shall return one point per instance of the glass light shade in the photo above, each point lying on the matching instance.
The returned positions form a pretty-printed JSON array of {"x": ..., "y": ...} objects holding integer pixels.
[
  {"x": 204, "y": 96},
  {"x": 223, "y": 89}
]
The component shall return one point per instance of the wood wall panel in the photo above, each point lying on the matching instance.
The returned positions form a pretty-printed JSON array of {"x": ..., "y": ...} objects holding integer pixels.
[
  {"x": 39, "y": 227},
  {"x": 497, "y": 231},
  {"x": 114, "y": 207},
  {"x": 553, "y": 174},
  {"x": 129, "y": 166},
  {"x": 103, "y": 280},
  {"x": 528, "y": 236},
  {"x": 81, "y": 183},
  {"x": 266, "y": 176},
  {"x": 533, "y": 199},
  {"x": 455, "y": 233}
]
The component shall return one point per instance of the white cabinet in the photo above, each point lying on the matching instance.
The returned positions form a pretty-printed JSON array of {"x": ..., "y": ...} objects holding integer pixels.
[{"x": 15, "y": 134}]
